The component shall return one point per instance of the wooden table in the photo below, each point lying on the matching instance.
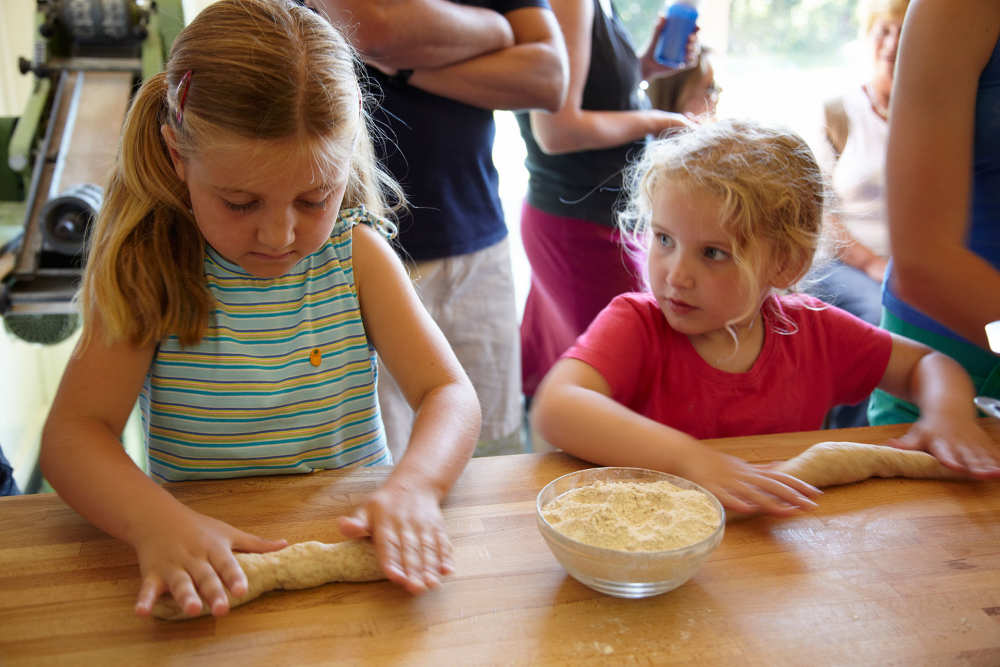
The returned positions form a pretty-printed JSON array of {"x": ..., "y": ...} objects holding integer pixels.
[{"x": 884, "y": 572}]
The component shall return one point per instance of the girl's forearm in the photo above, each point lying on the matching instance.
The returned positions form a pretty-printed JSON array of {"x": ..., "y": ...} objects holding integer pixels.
[
  {"x": 82, "y": 456},
  {"x": 445, "y": 431},
  {"x": 596, "y": 428},
  {"x": 939, "y": 385}
]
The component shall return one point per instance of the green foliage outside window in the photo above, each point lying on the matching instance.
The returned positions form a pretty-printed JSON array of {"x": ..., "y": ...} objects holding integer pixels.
[
  {"x": 800, "y": 29},
  {"x": 639, "y": 16}
]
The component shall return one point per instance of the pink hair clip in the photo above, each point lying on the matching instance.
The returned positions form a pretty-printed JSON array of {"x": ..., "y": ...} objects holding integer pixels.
[{"x": 182, "y": 93}]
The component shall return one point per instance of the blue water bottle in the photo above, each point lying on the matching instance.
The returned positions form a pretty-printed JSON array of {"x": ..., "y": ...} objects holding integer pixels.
[{"x": 671, "y": 49}]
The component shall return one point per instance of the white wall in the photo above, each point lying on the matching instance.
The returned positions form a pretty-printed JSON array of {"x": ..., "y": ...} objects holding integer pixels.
[
  {"x": 29, "y": 375},
  {"x": 16, "y": 34}
]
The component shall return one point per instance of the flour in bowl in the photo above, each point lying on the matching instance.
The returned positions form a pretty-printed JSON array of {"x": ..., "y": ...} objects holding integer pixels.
[{"x": 633, "y": 516}]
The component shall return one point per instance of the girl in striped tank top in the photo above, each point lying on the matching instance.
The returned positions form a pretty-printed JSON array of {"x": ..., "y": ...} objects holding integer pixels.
[{"x": 238, "y": 283}]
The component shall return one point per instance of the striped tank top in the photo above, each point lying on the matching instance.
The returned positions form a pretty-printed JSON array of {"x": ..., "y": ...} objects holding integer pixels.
[{"x": 283, "y": 381}]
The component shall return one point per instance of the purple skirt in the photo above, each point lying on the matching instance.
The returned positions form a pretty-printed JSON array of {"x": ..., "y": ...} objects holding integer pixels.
[{"x": 577, "y": 268}]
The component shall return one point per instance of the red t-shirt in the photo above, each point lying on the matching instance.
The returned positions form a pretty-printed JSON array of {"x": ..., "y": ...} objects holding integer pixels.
[{"x": 831, "y": 358}]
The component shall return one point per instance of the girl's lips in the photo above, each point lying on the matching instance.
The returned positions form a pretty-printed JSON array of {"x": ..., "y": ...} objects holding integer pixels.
[
  {"x": 679, "y": 306},
  {"x": 272, "y": 258}
]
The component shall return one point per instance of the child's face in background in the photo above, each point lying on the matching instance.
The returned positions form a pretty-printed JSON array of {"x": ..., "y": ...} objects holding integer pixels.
[
  {"x": 262, "y": 204},
  {"x": 700, "y": 96},
  {"x": 692, "y": 273}
]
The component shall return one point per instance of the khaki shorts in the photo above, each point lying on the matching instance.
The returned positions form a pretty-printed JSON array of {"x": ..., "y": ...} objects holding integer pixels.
[{"x": 471, "y": 298}]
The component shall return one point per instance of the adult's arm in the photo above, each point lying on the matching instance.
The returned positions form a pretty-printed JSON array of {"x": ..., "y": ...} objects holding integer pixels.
[
  {"x": 827, "y": 144},
  {"x": 531, "y": 74},
  {"x": 854, "y": 253},
  {"x": 571, "y": 128},
  {"x": 414, "y": 34},
  {"x": 943, "y": 49}
]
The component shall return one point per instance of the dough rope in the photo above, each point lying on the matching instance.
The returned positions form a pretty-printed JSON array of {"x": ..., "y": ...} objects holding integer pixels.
[
  {"x": 302, "y": 565},
  {"x": 833, "y": 463}
]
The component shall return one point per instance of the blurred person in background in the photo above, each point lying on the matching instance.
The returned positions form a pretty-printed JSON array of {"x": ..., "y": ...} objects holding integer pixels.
[
  {"x": 856, "y": 131},
  {"x": 442, "y": 68},
  {"x": 575, "y": 158},
  {"x": 692, "y": 92},
  {"x": 852, "y": 151}
]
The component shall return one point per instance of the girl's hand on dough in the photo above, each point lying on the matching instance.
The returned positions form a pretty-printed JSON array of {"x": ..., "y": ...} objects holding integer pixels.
[
  {"x": 746, "y": 488},
  {"x": 409, "y": 534},
  {"x": 191, "y": 557},
  {"x": 960, "y": 444}
]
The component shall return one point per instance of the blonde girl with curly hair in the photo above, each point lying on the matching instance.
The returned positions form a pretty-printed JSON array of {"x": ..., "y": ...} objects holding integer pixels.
[
  {"x": 239, "y": 281},
  {"x": 731, "y": 214}
]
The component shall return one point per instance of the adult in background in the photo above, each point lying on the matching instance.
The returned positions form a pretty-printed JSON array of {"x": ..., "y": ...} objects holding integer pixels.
[
  {"x": 443, "y": 68},
  {"x": 855, "y": 133},
  {"x": 852, "y": 151},
  {"x": 575, "y": 159},
  {"x": 943, "y": 185}
]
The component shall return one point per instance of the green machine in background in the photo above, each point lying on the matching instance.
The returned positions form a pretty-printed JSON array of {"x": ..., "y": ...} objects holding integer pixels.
[{"x": 89, "y": 57}]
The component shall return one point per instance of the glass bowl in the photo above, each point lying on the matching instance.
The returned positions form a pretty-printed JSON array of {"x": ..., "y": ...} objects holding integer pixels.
[{"x": 624, "y": 574}]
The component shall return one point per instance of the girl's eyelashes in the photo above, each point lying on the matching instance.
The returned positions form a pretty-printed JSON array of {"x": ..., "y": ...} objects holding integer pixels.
[
  {"x": 250, "y": 205},
  {"x": 239, "y": 208},
  {"x": 320, "y": 205},
  {"x": 711, "y": 253},
  {"x": 717, "y": 254}
]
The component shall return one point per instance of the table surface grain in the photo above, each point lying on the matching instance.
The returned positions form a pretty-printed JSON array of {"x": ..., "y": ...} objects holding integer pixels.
[{"x": 884, "y": 572}]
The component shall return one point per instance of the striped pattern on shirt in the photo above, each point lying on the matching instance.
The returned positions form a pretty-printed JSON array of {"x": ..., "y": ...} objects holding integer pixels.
[{"x": 248, "y": 399}]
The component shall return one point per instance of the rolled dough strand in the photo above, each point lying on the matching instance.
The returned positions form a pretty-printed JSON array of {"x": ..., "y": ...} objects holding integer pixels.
[
  {"x": 833, "y": 463},
  {"x": 302, "y": 565}
]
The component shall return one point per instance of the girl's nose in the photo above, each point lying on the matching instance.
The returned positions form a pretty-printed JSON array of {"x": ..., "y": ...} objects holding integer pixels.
[
  {"x": 679, "y": 274},
  {"x": 278, "y": 232}
]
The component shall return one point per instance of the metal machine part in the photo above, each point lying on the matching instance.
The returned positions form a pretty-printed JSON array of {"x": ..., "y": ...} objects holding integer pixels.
[
  {"x": 76, "y": 152},
  {"x": 88, "y": 59},
  {"x": 66, "y": 218},
  {"x": 108, "y": 22}
]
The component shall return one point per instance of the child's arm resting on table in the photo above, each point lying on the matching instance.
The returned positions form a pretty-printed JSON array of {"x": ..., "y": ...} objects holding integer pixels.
[
  {"x": 573, "y": 410},
  {"x": 404, "y": 515},
  {"x": 179, "y": 550},
  {"x": 943, "y": 391}
]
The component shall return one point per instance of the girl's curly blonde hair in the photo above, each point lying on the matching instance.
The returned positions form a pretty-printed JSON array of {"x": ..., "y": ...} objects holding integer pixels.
[{"x": 770, "y": 189}]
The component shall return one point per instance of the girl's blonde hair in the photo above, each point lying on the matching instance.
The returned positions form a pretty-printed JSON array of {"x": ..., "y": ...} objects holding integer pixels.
[
  {"x": 259, "y": 69},
  {"x": 769, "y": 187}
]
